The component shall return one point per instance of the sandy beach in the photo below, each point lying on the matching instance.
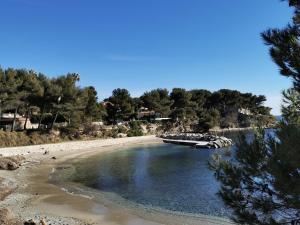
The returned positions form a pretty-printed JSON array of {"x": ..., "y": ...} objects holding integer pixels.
[{"x": 36, "y": 198}]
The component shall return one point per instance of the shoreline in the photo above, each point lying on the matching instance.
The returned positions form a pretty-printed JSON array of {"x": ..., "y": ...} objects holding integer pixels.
[
  {"x": 36, "y": 198},
  {"x": 71, "y": 145}
]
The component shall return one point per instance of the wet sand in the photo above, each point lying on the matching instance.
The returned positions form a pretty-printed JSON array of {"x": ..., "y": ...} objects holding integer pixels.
[{"x": 36, "y": 198}]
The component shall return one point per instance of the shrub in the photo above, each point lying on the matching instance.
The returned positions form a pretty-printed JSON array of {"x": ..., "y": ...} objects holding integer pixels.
[
  {"x": 122, "y": 129},
  {"x": 135, "y": 129},
  {"x": 90, "y": 129},
  {"x": 134, "y": 133},
  {"x": 209, "y": 119},
  {"x": 70, "y": 132}
]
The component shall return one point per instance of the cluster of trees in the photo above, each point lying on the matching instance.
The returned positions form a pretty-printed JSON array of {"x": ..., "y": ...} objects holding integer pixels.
[
  {"x": 208, "y": 109},
  {"x": 262, "y": 183},
  {"x": 49, "y": 100}
]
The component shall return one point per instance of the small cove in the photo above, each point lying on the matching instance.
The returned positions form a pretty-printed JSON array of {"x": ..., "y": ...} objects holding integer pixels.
[{"x": 166, "y": 178}]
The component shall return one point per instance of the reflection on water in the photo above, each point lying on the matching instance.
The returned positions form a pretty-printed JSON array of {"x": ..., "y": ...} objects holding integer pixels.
[{"x": 166, "y": 176}]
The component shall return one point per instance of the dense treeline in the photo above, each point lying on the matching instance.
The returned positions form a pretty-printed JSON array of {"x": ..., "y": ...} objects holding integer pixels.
[
  {"x": 47, "y": 101},
  {"x": 223, "y": 108}
]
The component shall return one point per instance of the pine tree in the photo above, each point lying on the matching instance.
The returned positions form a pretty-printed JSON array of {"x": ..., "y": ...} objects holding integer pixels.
[
  {"x": 284, "y": 45},
  {"x": 121, "y": 105},
  {"x": 262, "y": 183},
  {"x": 291, "y": 106}
]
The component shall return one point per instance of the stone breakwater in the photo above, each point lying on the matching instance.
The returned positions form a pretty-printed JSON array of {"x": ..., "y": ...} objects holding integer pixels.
[{"x": 197, "y": 140}]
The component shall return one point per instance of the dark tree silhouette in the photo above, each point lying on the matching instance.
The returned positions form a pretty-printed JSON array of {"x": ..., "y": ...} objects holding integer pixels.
[{"x": 262, "y": 183}]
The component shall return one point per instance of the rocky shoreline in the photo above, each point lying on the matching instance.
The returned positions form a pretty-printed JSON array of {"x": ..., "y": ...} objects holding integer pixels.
[
  {"x": 197, "y": 140},
  {"x": 7, "y": 188}
]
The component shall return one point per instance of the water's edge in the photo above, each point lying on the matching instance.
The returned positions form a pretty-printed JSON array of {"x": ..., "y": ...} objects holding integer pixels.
[{"x": 110, "y": 199}]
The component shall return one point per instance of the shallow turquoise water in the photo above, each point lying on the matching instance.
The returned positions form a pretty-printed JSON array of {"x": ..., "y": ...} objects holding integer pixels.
[{"x": 171, "y": 177}]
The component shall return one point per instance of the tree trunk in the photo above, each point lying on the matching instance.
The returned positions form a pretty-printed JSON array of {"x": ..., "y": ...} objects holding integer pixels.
[
  {"x": 0, "y": 111},
  {"x": 41, "y": 118},
  {"x": 25, "y": 124},
  {"x": 53, "y": 122},
  {"x": 14, "y": 120}
]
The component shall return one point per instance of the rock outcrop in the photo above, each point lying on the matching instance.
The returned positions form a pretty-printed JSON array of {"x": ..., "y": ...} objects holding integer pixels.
[
  {"x": 11, "y": 163},
  {"x": 197, "y": 140}
]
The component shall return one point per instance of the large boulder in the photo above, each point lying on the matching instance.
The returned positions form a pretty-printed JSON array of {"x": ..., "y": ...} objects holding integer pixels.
[
  {"x": 11, "y": 163},
  {"x": 218, "y": 143}
]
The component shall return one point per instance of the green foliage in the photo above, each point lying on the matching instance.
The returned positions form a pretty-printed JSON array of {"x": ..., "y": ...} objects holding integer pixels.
[
  {"x": 135, "y": 129},
  {"x": 200, "y": 97},
  {"x": 70, "y": 132},
  {"x": 227, "y": 101},
  {"x": 118, "y": 130},
  {"x": 182, "y": 107},
  {"x": 60, "y": 100},
  {"x": 120, "y": 105},
  {"x": 262, "y": 183},
  {"x": 157, "y": 100},
  {"x": 25, "y": 92},
  {"x": 230, "y": 120},
  {"x": 291, "y": 106},
  {"x": 284, "y": 45},
  {"x": 209, "y": 119}
]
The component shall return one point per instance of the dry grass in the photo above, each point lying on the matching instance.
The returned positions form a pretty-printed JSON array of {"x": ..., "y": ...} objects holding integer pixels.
[{"x": 12, "y": 139}]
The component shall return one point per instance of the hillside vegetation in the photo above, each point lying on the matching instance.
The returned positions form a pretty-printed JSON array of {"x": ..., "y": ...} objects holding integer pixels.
[{"x": 59, "y": 104}]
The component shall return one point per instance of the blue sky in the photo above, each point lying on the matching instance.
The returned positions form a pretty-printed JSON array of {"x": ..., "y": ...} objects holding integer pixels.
[{"x": 146, "y": 44}]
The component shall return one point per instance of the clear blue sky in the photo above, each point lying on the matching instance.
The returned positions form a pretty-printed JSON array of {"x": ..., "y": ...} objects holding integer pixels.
[{"x": 146, "y": 44}]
